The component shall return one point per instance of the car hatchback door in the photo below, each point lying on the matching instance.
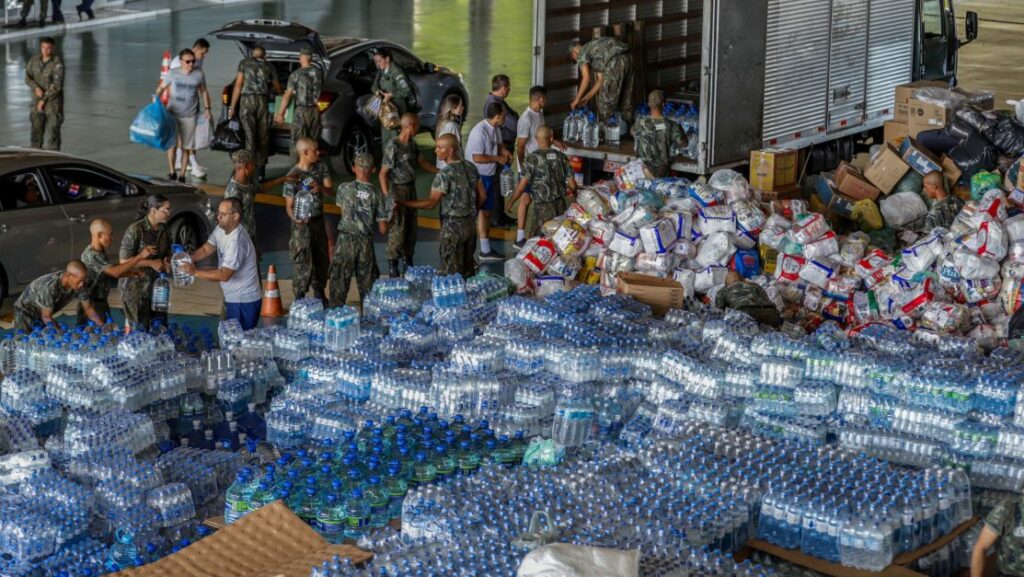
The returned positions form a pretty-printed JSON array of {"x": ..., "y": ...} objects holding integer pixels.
[{"x": 35, "y": 235}]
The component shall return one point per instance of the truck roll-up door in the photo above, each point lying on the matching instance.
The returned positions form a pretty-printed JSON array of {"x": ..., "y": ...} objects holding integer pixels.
[
  {"x": 890, "y": 53},
  {"x": 847, "y": 64},
  {"x": 733, "y": 77},
  {"x": 796, "y": 70}
]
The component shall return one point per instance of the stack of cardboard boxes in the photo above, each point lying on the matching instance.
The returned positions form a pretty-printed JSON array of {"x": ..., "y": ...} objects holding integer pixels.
[{"x": 912, "y": 116}]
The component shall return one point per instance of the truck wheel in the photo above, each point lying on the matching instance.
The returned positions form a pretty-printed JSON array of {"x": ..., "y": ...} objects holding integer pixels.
[{"x": 355, "y": 140}]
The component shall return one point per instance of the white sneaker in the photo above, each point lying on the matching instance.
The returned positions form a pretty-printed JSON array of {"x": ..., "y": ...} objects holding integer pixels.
[{"x": 198, "y": 171}]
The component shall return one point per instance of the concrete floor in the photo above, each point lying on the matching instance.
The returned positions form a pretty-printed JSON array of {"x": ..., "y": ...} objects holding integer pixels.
[{"x": 112, "y": 70}]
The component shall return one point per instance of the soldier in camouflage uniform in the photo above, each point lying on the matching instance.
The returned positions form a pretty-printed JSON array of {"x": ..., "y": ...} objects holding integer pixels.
[
  {"x": 307, "y": 244},
  {"x": 245, "y": 184},
  {"x": 249, "y": 101},
  {"x": 607, "y": 60},
  {"x": 548, "y": 172},
  {"x": 102, "y": 274},
  {"x": 656, "y": 136},
  {"x": 747, "y": 297},
  {"x": 1003, "y": 528},
  {"x": 459, "y": 191},
  {"x": 361, "y": 206},
  {"x": 44, "y": 74},
  {"x": 945, "y": 206},
  {"x": 392, "y": 84},
  {"x": 46, "y": 295},
  {"x": 149, "y": 231},
  {"x": 398, "y": 179},
  {"x": 304, "y": 84}
]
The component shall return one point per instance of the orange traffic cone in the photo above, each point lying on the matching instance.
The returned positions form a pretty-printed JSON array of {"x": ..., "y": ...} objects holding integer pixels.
[
  {"x": 165, "y": 67},
  {"x": 272, "y": 307}
]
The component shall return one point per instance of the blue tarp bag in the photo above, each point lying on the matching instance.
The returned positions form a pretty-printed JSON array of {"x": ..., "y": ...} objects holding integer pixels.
[{"x": 154, "y": 127}]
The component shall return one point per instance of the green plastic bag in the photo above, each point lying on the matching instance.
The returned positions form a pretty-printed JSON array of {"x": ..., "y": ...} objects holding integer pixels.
[
  {"x": 912, "y": 182},
  {"x": 983, "y": 182},
  {"x": 543, "y": 453}
]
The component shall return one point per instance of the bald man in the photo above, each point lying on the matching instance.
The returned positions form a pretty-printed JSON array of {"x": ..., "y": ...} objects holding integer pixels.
[
  {"x": 49, "y": 293},
  {"x": 548, "y": 175},
  {"x": 307, "y": 245},
  {"x": 102, "y": 274},
  {"x": 398, "y": 180},
  {"x": 459, "y": 191},
  {"x": 945, "y": 206}
]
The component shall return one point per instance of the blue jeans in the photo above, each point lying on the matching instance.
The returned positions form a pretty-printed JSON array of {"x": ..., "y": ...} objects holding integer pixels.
[
  {"x": 247, "y": 314},
  {"x": 491, "y": 186}
]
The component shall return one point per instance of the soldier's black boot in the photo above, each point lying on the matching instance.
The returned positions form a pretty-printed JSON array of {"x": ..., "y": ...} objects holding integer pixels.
[
  {"x": 393, "y": 268},
  {"x": 20, "y": 24}
]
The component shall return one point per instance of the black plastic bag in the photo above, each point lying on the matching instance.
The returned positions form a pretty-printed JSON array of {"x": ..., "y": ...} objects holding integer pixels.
[
  {"x": 974, "y": 154},
  {"x": 228, "y": 136},
  {"x": 975, "y": 118},
  {"x": 1009, "y": 137},
  {"x": 959, "y": 129}
]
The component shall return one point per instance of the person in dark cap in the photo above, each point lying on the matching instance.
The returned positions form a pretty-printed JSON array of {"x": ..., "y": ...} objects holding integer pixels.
[
  {"x": 245, "y": 184},
  {"x": 304, "y": 85},
  {"x": 361, "y": 205}
]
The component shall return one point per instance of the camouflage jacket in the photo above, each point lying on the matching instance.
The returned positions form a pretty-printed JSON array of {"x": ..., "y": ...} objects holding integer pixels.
[
  {"x": 46, "y": 292},
  {"x": 361, "y": 206},
  {"x": 258, "y": 76},
  {"x": 47, "y": 76},
  {"x": 654, "y": 140},
  {"x": 943, "y": 212},
  {"x": 246, "y": 194},
  {"x": 1006, "y": 521},
  {"x": 599, "y": 51},
  {"x": 139, "y": 234},
  {"x": 402, "y": 160},
  {"x": 305, "y": 84},
  {"x": 547, "y": 170},
  {"x": 395, "y": 81},
  {"x": 457, "y": 181},
  {"x": 99, "y": 284},
  {"x": 741, "y": 295},
  {"x": 296, "y": 176}
]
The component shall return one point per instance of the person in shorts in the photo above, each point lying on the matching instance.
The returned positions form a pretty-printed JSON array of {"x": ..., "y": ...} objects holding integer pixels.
[
  {"x": 187, "y": 87},
  {"x": 488, "y": 154}
]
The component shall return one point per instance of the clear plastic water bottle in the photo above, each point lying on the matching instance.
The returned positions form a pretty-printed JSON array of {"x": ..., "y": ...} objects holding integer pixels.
[
  {"x": 357, "y": 515},
  {"x": 179, "y": 260},
  {"x": 591, "y": 131},
  {"x": 303, "y": 207},
  {"x": 570, "y": 128},
  {"x": 508, "y": 181},
  {"x": 613, "y": 130},
  {"x": 331, "y": 520},
  {"x": 161, "y": 298}
]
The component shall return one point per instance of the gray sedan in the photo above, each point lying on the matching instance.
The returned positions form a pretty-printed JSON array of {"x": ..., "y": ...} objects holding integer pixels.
[
  {"x": 348, "y": 73},
  {"x": 47, "y": 200}
]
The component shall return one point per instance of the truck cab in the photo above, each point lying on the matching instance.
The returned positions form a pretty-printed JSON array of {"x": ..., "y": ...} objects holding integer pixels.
[{"x": 937, "y": 40}]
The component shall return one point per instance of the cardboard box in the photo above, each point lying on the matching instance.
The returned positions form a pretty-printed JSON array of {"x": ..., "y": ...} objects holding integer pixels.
[
  {"x": 926, "y": 116},
  {"x": 852, "y": 183},
  {"x": 661, "y": 294},
  {"x": 895, "y": 131},
  {"x": 919, "y": 158},
  {"x": 787, "y": 193},
  {"x": 905, "y": 92},
  {"x": 950, "y": 170},
  {"x": 781, "y": 168},
  {"x": 831, "y": 199},
  {"x": 886, "y": 170},
  {"x": 268, "y": 541}
]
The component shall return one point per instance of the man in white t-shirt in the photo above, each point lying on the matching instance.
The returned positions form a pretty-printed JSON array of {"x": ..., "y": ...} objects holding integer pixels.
[
  {"x": 200, "y": 48},
  {"x": 486, "y": 151},
  {"x": 526, "y": 142},
  {"x": 237, "y": 273}
]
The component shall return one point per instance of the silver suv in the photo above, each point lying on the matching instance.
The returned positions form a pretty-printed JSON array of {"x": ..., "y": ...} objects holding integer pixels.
[{"x": 348, "y": 74}]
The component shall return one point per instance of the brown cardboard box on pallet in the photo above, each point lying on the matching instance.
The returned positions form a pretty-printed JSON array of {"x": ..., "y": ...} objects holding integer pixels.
[
  {"x": 270, "y": 541},
  {"x": 660, "y": 293}
]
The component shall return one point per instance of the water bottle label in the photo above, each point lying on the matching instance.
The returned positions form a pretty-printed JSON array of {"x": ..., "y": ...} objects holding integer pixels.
[
  {"x": 809, "y": 524},
  {"x": 235, "y": 505},
  {"x": 832, "y": 530},
  {"x": 330, "y": 526},
  {"x": 873, "y": 544},
  {"x": 793, "y": 518}
]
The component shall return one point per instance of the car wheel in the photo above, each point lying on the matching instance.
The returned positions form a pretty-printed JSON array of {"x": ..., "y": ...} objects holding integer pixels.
[
  {"x": 186, "y": 233},
  {"x": 355, "y": 140}
]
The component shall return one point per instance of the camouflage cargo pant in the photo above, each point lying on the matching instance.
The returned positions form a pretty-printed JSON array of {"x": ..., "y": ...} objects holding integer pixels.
[
  {"x": 353, "y": 256},
  {"x": 305, "y": 124},
  {"x": 307, "y": 247},
  {"x": 102, "y": 308},
  {"x": 402, "y": 234},
  {"x": 543, "y": 212},
  {"x": 46, "y": 127},
  {"x": 766, "y": 315},
  {"x": 26, "y": 7},
  {"x": 255, "y": 119},
  {"x": 458, "y": 243},
  {"x": 137, "y": 296},
  {"x": 25, "y": 317},
  {"x": 616, "y": 95}
]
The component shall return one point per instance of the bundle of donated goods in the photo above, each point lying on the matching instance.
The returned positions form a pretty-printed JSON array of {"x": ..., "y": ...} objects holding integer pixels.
[{"x": 964, "y": 280}]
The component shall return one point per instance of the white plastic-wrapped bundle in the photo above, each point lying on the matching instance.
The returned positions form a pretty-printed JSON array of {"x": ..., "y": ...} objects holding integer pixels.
[
  {"x": 731, "y": 184},
  {"x": 537, "y": 255},
  {"x": 704, "y": 195},
  {"x": 872, "y": 266},
  {"x": 601, "y": 231},
  {"x": 972, "y": 265},
  {"x": 658, "y": 264},
  {"x": 982, "y": 289},
  {"x": 749, "y": 222},
  {"x": 658, "y": 237},
  {"x": 684, "y": 249},
  {"x": 593, "y": 202},
  {"x": 989, "y": 240},
  {"x": 565, "y": 267},
  {"x": 788, "y": 267},
  {"x": 826, "y": 245},
  {"x": 682, "y": 222},
  {"x": 716, "y": 249},
  {"x": 578, "y": 214},
  {"x": 625, "y": 244},
  {"x": 709, "y": 277},
  {"x": 570, "y": 239},
  {"x": 1015, "y": 228},
  {"x": 902, "y": 208},
  {"x": 865, "y": 307},
  {"x": 631, "y": 220},
  {"x": 550, "y": 284},
  {"x": 818, "y": 271},
  {"x": 809, "y": 227},
  {"x": 943, "y": 317},
  {"x": 852, "y": 249},
  {"x": 719, "y": 218},
  {"x": 992, "y": 206},
  {"x": 923, "y": 253}
]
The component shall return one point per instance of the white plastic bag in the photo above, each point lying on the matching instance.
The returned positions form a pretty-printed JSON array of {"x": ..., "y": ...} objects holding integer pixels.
[
  {"x": 715, "y": 249},
  {"x": 902, "y": 208},
  {"x": 731, "y": 184},
  {"x": 203, "y": 134},
  {"x": 566, "y": 560}
]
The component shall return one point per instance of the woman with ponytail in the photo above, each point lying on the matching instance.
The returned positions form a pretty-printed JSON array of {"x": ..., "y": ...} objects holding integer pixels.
[{"x": 149, "y": 230}]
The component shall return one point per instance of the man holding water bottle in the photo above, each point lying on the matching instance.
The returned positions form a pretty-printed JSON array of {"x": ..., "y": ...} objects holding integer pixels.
[
  {"x": 236, "y": 265},
  {"x": 307, "y": 244}
]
